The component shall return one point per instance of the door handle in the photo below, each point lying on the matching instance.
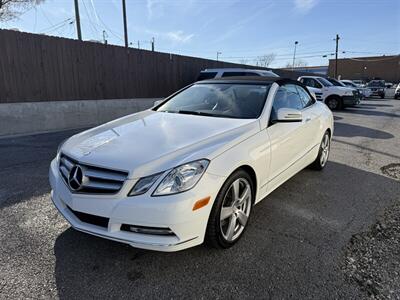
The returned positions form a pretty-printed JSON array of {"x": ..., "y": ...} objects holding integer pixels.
[{"x": 308, "y": 119}]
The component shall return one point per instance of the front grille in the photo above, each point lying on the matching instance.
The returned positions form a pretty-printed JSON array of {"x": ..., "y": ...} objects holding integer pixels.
[
  {"x": 95, "y": 180},
  {"x": 90, "y": 219}
]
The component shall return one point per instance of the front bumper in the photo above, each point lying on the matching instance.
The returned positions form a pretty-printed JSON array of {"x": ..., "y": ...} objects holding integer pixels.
[
  {"x": 173, "y": 212},
  {"x": 350, "y": 100},
  {"x": 377, "y": 92}
]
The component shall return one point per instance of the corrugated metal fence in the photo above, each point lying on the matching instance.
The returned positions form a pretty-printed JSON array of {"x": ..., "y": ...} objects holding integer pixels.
[{"x": 42, "y": 68}]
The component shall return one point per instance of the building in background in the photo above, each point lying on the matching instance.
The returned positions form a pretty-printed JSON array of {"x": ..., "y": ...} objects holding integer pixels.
[
  {"x": 367, "y": 68},
  {"x": 321, "y": 70}
]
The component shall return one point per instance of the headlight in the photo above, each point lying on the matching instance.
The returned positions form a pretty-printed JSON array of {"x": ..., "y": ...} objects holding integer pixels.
[
  {"x": 182, "y": 178},
  {"x": 143, "y": 185},
  {"x": 59, "y": 149}
]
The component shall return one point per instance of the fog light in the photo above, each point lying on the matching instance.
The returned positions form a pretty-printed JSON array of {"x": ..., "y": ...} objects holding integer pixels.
[{"x": 146, "y": 230}]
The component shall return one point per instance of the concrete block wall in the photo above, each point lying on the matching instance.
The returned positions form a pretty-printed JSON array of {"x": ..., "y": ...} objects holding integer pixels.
[{"x": 38, "y": 117}]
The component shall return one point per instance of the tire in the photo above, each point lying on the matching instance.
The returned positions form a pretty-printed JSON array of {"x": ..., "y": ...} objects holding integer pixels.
[
  {"x": 334, "y": 103},
  {"x": 323, "y": 153},
  {"x": 229, "y": 218},
  {"x": 382, "y": 96}
]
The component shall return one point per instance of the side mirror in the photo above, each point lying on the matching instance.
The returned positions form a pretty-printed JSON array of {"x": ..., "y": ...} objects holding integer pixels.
[
  {"x": 288, "y": 115},
  {"x": 158, "y": 102}
]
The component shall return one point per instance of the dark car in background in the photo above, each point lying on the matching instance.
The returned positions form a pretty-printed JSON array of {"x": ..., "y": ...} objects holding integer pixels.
[{"x": 377, "y": 88}]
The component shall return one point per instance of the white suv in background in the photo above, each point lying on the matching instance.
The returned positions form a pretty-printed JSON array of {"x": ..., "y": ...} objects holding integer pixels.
[
  {"x": 335, "y": 97},
  {"x": 233, "y": 72},
  {"x": 366, "y": 92}
]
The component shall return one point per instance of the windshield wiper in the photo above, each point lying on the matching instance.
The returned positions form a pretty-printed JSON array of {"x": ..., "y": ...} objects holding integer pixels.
[{"x": 199, "y": 113}]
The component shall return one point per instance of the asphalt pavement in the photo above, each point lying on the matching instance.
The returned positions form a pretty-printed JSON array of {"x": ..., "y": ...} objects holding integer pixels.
[{"x": 294, "y": 245}]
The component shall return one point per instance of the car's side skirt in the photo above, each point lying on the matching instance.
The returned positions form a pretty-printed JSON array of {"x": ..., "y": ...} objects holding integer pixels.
[{"x": 296, "y": 167}]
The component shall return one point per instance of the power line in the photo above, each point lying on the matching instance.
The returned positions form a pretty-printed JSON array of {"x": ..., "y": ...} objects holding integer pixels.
[
  {"x": 106, "y": 27},
  {"x": 55, "y": 25},
  {"x": 93, "y": 29}
]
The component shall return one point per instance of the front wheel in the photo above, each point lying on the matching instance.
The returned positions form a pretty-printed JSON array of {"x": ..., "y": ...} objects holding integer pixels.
[
  {"x": 323, "y": 153},
  {"x": 231, "y": 211},
  {"x": 334, "y": 103}
]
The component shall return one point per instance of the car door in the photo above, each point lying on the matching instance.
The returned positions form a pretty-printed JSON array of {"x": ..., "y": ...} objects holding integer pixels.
[
  {"x": 312, "y": 121},
  {"x": 287, "y": 139}
]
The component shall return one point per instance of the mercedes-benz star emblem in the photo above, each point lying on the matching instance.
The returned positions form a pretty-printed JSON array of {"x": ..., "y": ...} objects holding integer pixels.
[{"x": 75, "y": 178}]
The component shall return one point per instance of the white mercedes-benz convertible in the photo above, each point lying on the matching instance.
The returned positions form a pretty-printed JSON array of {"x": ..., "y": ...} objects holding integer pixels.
[{"x": 192, "y": 167}]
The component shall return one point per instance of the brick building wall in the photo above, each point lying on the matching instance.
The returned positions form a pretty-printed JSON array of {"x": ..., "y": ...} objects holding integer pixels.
[{"x": 367, "y": 68}]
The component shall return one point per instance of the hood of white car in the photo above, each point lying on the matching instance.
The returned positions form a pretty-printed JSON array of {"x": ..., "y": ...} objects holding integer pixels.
[
  {"x": 149, "y": 142},
  {"x": 343, "y": 89}
]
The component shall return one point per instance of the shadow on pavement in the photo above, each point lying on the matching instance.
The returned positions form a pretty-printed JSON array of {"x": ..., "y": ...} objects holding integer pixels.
[
  {"x": 374, "y": 105},
  {"x": 371, "y": 113},
  {"x": 336, "y": 118},
  {"x": 349, "y": 130},
  {"x": 292, "y": 248}
]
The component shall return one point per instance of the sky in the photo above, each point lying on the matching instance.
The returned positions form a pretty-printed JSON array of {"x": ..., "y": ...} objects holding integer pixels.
[{"x": 240, "y": 30}]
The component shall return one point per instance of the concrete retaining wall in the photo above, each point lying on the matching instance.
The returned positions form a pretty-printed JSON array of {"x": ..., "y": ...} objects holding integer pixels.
[{"x": 38, "y": 117}]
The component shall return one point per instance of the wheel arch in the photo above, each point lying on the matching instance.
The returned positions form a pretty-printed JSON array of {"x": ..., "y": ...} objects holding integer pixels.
[
  {"x": 252, "y": 173},
  {"x": 333, "y": 96}
]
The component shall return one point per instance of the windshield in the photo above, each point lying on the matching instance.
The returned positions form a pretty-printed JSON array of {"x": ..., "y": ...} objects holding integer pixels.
[
  {"x": 349, "y": 84},
  {"x": 335, "y": 82},
  {"x": 324, "y": 82},
  {"x": 376, "y": 83},
  {"x": 244, "y": 101}
]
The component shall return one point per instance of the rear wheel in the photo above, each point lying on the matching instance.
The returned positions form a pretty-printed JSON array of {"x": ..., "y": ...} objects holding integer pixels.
[
  {"x": 334, "y": 103},
  {"x": 323, "y": 153},
  {"x": 231, "y": 211}
]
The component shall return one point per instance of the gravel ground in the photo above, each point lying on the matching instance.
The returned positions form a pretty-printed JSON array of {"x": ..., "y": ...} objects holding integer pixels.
[
  {"x": 373, "y": 257},
  {"x": 300, "y": 243}
]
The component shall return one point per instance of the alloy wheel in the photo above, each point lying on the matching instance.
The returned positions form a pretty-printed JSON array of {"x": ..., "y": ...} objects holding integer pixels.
[
  {"x": 235, "y": 209},
  {"x": 333, "y": 104},
  {"x": 325, "y": 150}
]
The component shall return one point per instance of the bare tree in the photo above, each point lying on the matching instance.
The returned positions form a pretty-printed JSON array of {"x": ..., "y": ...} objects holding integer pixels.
[
  {"x": 244, "y": 61},
  {"x": 298, "y": 63},
  {"x": 265, "y": 60},
  {"x": 11, "y": 9}
]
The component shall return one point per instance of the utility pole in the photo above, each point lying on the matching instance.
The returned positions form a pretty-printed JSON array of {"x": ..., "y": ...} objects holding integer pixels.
[
  {"x": 138, "y": 44},
  {"x": 152, "y": 44},
  {"x": 294, "y": 54},
  {"x": 105, "y": 37},
  {"x": 218, "y": 53},
  {"x": 78, "y": 20},
  {"x": 125, "y": 26},
  {"x": 336, "y": 54}
]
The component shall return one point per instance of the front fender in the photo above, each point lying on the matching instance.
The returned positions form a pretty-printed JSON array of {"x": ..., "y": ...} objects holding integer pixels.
[{"x": 253, "y": 152}]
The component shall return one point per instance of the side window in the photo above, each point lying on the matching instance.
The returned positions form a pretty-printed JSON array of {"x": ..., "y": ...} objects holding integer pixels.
[
  {"x": 251, "y": 74},
  {"x": 230, "y": 74},
  {"x": 311, "y": 82},
  {"x": 206, "y": 75},
  {"x": 307, "y": 82},
  {"x": 286, "y": 97},
  {"x": 304, "y": 96},
  {"x": 316, "y": 84}
]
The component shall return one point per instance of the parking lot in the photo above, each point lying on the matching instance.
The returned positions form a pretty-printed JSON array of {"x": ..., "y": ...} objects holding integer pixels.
[{"x": 297, "y": 244}]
